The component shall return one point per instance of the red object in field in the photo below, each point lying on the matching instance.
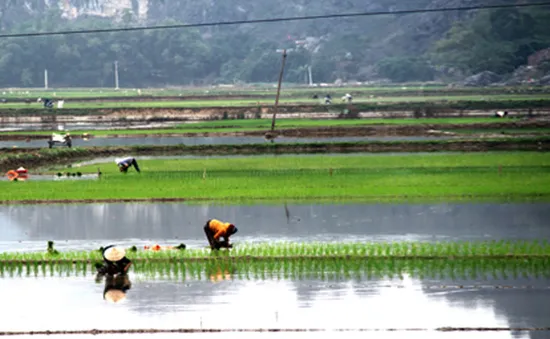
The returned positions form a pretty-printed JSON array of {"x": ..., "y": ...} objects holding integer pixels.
[{"x": 157, "y": 247}]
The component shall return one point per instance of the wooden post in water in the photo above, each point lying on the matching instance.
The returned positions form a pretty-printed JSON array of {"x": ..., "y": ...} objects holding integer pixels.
[{"x": 278, "y": 91}]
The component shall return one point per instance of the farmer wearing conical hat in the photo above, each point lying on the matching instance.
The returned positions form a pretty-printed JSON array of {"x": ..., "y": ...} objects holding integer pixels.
[
  {"x": 125, "y": 163},
  {"x": 115, "y": 288},
  {"x": 114, "y": 261},
  {"x": 215, "y": 230}
]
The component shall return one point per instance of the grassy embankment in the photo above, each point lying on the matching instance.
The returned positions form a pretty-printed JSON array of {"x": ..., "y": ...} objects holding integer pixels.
[
  {"x": 21, "y": 93},
  {"x": 288, "y": 90},
  {"x": 379, "y": 178},
  {"x": 252, "y": 125},
  {"x": 284, "y": 101},
  {"x": 270, "y": 90}
]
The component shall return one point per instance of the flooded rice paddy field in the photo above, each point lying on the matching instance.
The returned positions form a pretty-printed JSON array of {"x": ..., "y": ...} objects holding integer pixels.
[
  {"x": 193, "y": 141},
  {"x": 89, "y": 226},
  {"x": 222, "y": 300},
  {"x": 110, "y": 125}
]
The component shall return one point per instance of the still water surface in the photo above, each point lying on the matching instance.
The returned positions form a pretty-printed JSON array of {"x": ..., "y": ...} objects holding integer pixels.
[
  {"x": 192, "y": 141},
  {"x": 229, "y": 304}
]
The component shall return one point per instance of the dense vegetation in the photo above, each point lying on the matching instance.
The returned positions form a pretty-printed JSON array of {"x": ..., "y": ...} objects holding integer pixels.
[{"x": 401, "y": 48}]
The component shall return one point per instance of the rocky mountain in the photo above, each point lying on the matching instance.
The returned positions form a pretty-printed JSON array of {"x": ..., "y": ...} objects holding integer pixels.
[{"x": 405, "y": 47}]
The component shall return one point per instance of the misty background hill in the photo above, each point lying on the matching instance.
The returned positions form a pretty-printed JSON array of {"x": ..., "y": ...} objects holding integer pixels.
[{"x": 447, "y": 46}]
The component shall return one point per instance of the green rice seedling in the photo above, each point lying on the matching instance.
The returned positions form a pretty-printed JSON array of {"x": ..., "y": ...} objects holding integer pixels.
[{"x": 314, "y": 250}]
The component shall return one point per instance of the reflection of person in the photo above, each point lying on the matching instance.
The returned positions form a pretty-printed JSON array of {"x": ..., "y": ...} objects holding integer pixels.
[
  {"x": 116, "y": 287},
  {"x": 215, "y": 229},
  {"x": 114, "y": 261},
  {"x": 125, "y": 163},
  {"x": 219, "y": 275}
]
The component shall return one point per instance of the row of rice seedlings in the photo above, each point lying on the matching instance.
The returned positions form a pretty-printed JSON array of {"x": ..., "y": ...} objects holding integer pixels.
[
  {"x": 326, "y": 269},
  {"x": 288, "y": 249}
]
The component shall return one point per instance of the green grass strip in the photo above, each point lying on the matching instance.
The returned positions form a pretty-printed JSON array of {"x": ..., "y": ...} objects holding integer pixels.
[
  {"x": 249, "y": 125},
  {"x": 269, "y": 101},
  {"x": 291, "y": 250},
  {"x": 336, "y": 178},
  {"x": 289, "y": 90},
  {"x": 427, "y": 105}
]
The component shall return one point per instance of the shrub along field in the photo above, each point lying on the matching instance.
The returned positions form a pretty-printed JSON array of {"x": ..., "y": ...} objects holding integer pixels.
[{"x": 494, "y": 176}]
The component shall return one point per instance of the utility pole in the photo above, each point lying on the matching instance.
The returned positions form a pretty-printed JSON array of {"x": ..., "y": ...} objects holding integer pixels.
[
  {"x": 45, "y": 79},
  {"x": 310, "y": 75},
  {"x": 278, "y": 91},
  {"x": 116, "y": 75}
]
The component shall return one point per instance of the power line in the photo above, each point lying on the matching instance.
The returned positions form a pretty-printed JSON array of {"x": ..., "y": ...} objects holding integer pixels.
[{"x": 241, "y": 22}]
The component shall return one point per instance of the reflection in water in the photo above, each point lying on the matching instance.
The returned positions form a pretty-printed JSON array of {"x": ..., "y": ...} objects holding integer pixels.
[
  {"x": 116, "y": 288},
  {"x": 218, "y": 274},
  {"x": 91, "y": 225},
  {"x": 327, "y": 304},
  {"x": 528, "y": 307}
]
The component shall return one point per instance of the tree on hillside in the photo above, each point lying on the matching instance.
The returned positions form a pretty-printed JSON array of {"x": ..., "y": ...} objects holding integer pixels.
[{"x": 497, "y": 41}]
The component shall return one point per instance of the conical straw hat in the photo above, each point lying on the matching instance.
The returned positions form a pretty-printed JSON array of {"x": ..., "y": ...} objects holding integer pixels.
[
  {"x": 115, "y": 296},
  {"x": 114, "y": 253}
]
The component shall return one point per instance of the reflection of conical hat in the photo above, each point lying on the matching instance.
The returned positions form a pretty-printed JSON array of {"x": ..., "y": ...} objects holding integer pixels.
[
  {"x": 114, "y": 253},
  {"x": 115, "y": 296}
]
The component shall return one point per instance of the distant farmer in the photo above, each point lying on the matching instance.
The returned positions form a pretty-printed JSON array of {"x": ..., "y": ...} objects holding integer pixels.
[
  {"x": 328, "y": 99},
  {"x": 61, "y": 140},
  {"x": 48, "y": 103},
  {"x": 347, "y": 98},
  {"x": 114, "y": 261},
  {"x": 125, "y": 163},
  {"x": 215, "y": 230}
]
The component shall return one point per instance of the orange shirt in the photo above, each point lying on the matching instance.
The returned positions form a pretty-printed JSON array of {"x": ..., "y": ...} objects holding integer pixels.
[{"x": 220, "y": 229}]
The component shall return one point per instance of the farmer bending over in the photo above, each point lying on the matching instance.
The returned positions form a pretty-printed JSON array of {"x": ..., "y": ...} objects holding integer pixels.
[
  {"x": 215, "y": 229},
  {"x": 114, "y": 261},
  {"x": 124, "y": 164}
]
